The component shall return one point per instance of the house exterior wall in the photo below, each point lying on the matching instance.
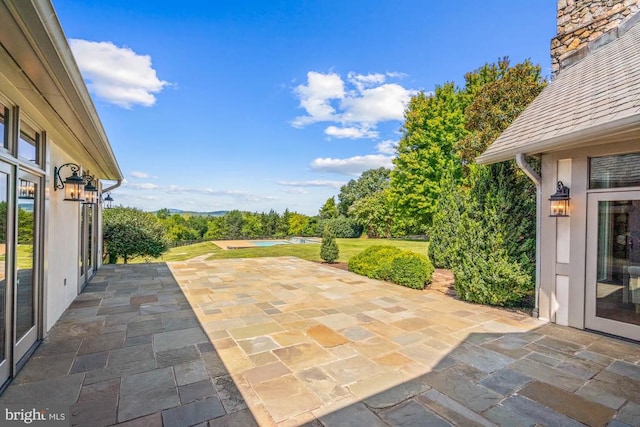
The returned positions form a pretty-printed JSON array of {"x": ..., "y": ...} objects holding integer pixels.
[
  {"x": 48, "y": 119},
  {"x": 563, "y": 257},
  {"x": 62, "y": 246}
]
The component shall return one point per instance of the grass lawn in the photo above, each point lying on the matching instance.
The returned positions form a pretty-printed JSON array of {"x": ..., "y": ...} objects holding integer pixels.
[{"x": 311, "y": 252}]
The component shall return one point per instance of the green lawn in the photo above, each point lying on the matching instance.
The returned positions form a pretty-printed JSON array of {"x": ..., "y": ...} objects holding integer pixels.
[{"x": 311, "y": 252}]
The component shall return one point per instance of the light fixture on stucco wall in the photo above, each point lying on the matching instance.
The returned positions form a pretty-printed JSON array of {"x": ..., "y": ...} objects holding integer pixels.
[
  {"x": 90, "y": 190},
  {"x": 560, "y": 201},
  {"x": 73, "y": 185}
]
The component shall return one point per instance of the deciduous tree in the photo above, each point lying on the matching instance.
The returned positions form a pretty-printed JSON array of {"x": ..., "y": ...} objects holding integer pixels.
[
  {"x": 370, "y": 182},
  {"x": 329, "y": 209},
  {"x": 129, "y": 232}
]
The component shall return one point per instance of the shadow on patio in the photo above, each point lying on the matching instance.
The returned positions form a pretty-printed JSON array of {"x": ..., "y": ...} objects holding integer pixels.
[{"x": 302, "y": 343}]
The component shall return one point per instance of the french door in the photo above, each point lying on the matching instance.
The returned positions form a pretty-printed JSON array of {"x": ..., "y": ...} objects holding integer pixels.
[
  {"x": 87, "y": 244},
  {"x": 26, "y": 298},
  {"x": 612, "y": 302},
  {"x": 19, "y": 267}
]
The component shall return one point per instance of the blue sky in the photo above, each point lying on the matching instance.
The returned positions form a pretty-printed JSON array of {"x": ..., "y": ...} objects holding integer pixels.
[{"x": 267, "y": 104}]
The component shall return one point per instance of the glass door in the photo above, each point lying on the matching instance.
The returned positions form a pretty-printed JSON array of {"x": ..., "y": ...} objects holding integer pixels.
[
  {"x": 26, "y": 287},
  {"x": 613, "y": 263},
  {"x": 5, "y": 262},
  {"x": 87, "y": 244}
]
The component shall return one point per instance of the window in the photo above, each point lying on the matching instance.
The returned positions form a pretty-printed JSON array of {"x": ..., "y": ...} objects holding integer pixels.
[
  {"x": 4, "y": 113},
  {"x": 28, "y": 143},
  {"x": 614, "y": 171}
]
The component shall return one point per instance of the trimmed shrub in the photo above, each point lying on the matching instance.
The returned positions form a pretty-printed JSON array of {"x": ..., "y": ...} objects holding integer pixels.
[
  {"x": 494, "y": 280},
  {"x": 329, "y": 249},
  {"x": 484, "y": 273},
  {"x": 411, "y": 270},
  {"x": 389, "y": 263},
  {"x": 374, "y": 262}
]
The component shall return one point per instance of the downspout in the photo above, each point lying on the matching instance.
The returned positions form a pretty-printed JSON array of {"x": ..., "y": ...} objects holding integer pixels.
[
  {"x": 113, "y": 187},
  {"x": 535, "y": 177}
]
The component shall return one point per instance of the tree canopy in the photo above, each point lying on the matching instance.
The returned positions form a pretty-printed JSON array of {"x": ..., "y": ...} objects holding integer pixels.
[
  {"x": 369, "y": 183},
  {"x": 129, "y": 232}
]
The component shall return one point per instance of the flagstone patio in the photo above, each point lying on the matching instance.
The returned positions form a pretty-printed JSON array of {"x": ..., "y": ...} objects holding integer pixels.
[{"x": 283, "y": 341}]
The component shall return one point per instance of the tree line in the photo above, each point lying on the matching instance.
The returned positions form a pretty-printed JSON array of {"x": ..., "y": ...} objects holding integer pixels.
[{"x": 480, "y": 219}]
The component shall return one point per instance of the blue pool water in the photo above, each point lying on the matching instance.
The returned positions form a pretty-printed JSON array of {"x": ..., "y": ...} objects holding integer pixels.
[{"x": 269, "y": 242}]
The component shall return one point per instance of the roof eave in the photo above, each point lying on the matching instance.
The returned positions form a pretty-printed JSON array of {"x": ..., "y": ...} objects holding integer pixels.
[
  {"x": 70, "y": 104},
  {"x": 621, "y": 129}
]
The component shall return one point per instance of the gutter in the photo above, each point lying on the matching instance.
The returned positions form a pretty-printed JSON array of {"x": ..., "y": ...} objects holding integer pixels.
[
  {"x": 625, "y": 128},
  {"x": 533, "y": 176},
  {"x": 113, "y": 187}
]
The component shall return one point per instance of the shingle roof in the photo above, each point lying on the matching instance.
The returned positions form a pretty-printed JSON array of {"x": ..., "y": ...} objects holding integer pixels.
[{"x": 587, "y": 102}]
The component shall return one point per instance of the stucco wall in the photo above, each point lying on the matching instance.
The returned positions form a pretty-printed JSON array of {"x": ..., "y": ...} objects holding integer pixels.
[
  {"x": 563, "y": 250},
  {"x": 63, "y": 245}
]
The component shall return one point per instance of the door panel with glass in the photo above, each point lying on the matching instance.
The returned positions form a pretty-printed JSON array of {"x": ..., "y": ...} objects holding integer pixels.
[
  {"x": 613, "y": 263},
  {"x": 26, "y": 282},
  {"x": 87, "y": 244},
  {"x": 5, "y": 257}
]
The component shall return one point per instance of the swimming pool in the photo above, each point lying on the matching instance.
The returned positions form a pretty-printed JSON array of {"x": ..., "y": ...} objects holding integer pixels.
[{"x": 269, "y": 242}]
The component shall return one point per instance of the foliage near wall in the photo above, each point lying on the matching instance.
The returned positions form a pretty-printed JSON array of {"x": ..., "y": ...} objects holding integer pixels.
[{"x": 484, "y": 228}]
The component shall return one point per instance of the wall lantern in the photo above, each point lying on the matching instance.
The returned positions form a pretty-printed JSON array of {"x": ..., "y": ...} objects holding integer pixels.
[
  {"x": 107, "y": 203},
  {"x": 90, "y": 190},
  {"x": 560, "y": 201},
  {"x": 27, "y": 189},
  {"x": 73, "y": 185}
]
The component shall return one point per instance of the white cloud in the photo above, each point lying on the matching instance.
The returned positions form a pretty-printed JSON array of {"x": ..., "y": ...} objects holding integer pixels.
[
  {"x": 312, "y": 183},
  {"x": 357, "y": 105},
  {"x": 295, "y": 190},
  {"x": 117, "y": 74},
  {"x": 350, "y": 132},
  {"x": 141, "y": 175},
  {"x": 352, "y": 166},
  {"x": 176, "y": 189},
  {"x": 141, "y": 186},
  {"x": 316, "y": 95},
  {"x": 360, "y": 81},
  {"x": 377, "y": 104},
  {"x": 388, "y": 146},
  {"x": 396, "y": 74}
]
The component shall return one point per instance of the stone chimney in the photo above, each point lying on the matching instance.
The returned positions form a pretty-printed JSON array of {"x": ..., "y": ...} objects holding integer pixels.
[{"x": 583, "y": 23}]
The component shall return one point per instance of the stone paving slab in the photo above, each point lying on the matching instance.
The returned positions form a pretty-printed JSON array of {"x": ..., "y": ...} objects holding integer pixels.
[
  {"x": 307, "y": 343},
  {"x": 129, "y": 351},
  {"x": 287, "y": 342}
]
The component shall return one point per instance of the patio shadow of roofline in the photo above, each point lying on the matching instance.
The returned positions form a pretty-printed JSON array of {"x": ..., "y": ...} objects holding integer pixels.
[
  {"x": 503, "y": 379},
  {"x": 513, "y": 379},
  {"x": 131, "y": 349}
]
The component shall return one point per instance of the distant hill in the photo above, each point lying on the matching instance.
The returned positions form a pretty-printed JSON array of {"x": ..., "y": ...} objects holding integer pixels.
[{"x": 181, "y": 212}]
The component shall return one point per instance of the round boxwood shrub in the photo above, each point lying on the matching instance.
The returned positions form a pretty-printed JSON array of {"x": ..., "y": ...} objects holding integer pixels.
[
  {"x": 374, "y": 262},
  {"x": 411, "y": 270},
  {"x": 393, "y": 264}
]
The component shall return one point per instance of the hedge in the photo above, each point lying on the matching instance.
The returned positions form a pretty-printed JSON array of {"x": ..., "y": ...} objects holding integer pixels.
[{"x": 395, "y": 265}]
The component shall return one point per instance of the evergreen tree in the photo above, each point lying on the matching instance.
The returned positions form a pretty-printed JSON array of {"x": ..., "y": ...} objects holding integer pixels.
[{"x": 329, "y": 250}]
